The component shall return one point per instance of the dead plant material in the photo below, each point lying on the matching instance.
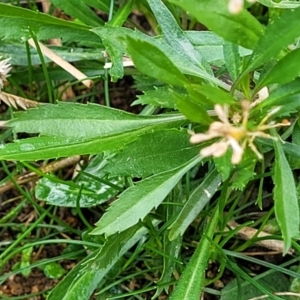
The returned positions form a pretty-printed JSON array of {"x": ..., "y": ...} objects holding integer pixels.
[
  {"x": 248, "y": 233},
  {"x": 16, "y": 101},
  {"x": 32, "y": 176},
  {"x": 62, "y": 63}
]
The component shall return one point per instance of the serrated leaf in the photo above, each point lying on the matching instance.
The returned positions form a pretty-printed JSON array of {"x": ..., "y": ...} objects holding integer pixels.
[
  {"x": 80, "y": 121},
  {"x": 224, "y": 165},
  {"x": 51, "y": 147},
  {"x": 242, "y": 29},
  {"x": 82, "y": 280},
  {"x": 152, "y": 153},
  {"x": 283, "y": 72},
  {"x": 160, "y": 97},
  {"x": 285, "y": 197},
  {"x": 114, "y": 39},
  {"x": 15, "y": 22},
  {"x": 192, "y": 280},
  {"x": 152, "y": 61},
  {"x": 79, "y": 10},
  {"x": 196, "y": 202},
  {"x": 137, "y": 201},
  {"x": 232, "y": 59},
  {"x": 92, "y": 191},
  {"x": 242, "y": 177},
  {"x": 278, "y": 34},
  {"x": 175, "y": 36}
]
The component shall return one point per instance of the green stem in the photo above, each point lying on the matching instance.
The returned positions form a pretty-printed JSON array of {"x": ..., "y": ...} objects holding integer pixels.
[{"x": 192, "y": 280}]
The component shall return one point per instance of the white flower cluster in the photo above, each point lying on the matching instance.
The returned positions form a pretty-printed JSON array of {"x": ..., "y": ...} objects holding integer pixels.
[
  {"x": 5, "y": 68},
  {"x": 235, "y": 135},
  {"x": 10, "y": 99}
]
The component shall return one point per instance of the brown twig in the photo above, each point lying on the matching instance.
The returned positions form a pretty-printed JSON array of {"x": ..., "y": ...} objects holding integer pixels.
[
  {"x": 32, "y": 176},
  {"x": 247, "y": 233},
  {"x": 62, "y": 63}
]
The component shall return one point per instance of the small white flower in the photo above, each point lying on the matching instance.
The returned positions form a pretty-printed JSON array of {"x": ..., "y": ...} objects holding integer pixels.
[
  {"x": 236, "y": 6},
  {"x": 5, "y": 68},
  {"x": 234, "y": 136}
]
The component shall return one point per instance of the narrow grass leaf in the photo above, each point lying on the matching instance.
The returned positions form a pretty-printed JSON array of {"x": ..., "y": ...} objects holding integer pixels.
[
  {"x": 242, "y": 29},
  {"x": 137, "y": 201},
  {"x": 102, "y": 5},
  {"x": 82, "y": 280},
  {"x": 285, "y": 197},
  {"x": 122, "y": 14},
  {"x": 196, "y": 202},
  {"x": 15, "y": 21},
  {"x": 79, "y": 10},
  {"x": 192, "y": 280}
]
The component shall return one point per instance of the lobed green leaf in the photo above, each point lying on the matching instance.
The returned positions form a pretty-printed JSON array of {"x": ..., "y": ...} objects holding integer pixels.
[
  {"x": 152, "y": 153},
  {"x": 137, "y": 201}
]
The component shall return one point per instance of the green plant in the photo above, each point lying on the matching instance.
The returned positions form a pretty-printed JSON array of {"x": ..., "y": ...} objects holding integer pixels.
[{"x": 245, "y": 128}]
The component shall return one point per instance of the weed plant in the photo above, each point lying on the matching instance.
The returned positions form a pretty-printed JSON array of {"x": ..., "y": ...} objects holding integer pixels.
[{"x": 205, "y": 174}]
